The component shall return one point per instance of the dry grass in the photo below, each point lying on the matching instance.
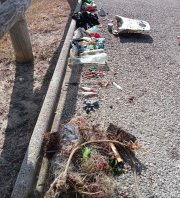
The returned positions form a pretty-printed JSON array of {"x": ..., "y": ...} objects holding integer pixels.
[
  {"x": 46, "y": 22},
  {"x": 43, "y": 16}
]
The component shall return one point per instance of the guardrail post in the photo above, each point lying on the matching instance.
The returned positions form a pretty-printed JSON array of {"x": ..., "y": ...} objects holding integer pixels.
[{"x": 21, "y": 40}]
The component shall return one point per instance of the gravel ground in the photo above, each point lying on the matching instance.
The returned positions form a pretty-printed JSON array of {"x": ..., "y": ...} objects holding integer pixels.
[
  {"x": 23, "y": 87},
  {"x": 147, "y": 68}
]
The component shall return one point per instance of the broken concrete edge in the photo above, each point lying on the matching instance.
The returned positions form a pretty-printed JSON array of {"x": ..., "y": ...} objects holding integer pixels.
[{"x": 25, "y": 179}]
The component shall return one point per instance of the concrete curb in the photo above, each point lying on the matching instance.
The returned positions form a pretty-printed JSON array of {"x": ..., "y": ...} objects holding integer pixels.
[{"x": 27, "y": 173}]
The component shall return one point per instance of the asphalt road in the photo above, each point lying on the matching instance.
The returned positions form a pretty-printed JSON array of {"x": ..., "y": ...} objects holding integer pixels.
[{"x": 148, "y": 70}]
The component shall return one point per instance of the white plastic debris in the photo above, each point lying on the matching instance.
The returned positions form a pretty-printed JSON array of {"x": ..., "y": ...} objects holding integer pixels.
[
  {"x": 95, "y": 58},
  {"x": 88, "y": 93},
  {"x": 80, "y": 33},
  {"x": 92, "y": 52},
  {"x": 131, "y": 25},
  {"x": 117, "y": 86},
  {"x": 89, "y": 89}
]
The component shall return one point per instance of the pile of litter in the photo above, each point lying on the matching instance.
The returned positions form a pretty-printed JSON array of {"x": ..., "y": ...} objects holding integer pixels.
[
  {"x": 91, "y": 158},
  {"x": 87, "y": 48},
  {"x": 87, "y": 158}
]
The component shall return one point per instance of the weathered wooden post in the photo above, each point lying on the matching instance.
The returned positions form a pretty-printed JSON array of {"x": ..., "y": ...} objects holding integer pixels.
[
  {"x": 12, "y": 19},
  {"x": 21, "y": 41}
]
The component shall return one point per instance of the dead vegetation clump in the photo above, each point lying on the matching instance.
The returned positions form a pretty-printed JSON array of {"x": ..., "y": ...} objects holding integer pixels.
[{"x": 92, "y": 159}]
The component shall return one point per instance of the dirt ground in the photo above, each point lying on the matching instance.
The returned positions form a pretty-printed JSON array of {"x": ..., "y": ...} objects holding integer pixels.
[
  {"x": 148, "y": 107},
  {"x": 23, "y": 87}
]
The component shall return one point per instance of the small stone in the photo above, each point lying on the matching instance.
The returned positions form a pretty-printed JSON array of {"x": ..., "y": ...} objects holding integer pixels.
[{"x": 21, "y": 79}]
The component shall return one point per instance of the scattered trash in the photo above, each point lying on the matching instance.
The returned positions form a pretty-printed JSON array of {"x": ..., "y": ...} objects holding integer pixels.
[
  {"x": 178, "y": 38},
  {"x": 131, "y": 99},
  {"x": 88, "y": 93},
  {"x": 100, "y": 43},
  {"x": 92, "y": 52},
  {"x": 80, "y": 33},
  {"x": 89, "y": 89},
  {"x": 69, "y": 133},
  {"x": 103, "y": 83},
  {"x": 126, "y": 25},
  {"x": 91, "y": 157},
  {"x": 117, "y": 86},
  {"x": 91, "y": 105},
  {"x": 88, "y": 1},
  {"x": 115, "y": 32},
  {"x": 94, "y": 69},
  {"x": 122, "y": 136},
  {"x": 117, "y": 168},
  {"x": 90, "y": 74},
  {"x": 86, "y": 19},
  {"x": 93, "y": 32},
  {"x": 100, "y": 73},
  {"x": 92, "y": 164},
  {"x": 116, "y": 154},
  {"x": 87, "y": 48},
  {"x": 101, "y": 12},
  {"x": 89, "y": 7},
  {"x": 95, "y": 35},
  {"x": 93, "y": 29},
  {"x": 85, "y": 41},
  {"x": 95, "y": 58},
  {"x": 110, "y": 27},
  {"x": 74, "y": 51}
]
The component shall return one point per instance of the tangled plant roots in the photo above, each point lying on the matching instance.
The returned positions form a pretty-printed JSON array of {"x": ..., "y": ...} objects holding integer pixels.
[
  {"x": 90, "y": 173},
  {"x": 95, "y": 163}
]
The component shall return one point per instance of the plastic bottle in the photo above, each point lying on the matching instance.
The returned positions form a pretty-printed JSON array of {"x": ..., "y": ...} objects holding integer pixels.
[
  {"x": 79, "y": 33},
  {"x": 100, "y": 58},
  {"x": 74, "y": 50},
  {"x": 92, "y": 52}
]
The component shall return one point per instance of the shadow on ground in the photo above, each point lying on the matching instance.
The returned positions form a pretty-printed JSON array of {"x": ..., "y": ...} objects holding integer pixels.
[
  {"x": 24, "y": 109},
  {"x": 72, "y": 92},
  {"x": 131, "y": 159},
  {"x": 135, "y": 38}
]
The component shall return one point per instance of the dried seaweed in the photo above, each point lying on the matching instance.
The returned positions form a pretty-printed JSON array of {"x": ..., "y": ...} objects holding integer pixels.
[{"x": 91, "y": 164}]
